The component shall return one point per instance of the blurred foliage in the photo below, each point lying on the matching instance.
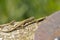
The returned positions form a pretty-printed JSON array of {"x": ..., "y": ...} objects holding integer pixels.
[{"x": 22, "y": 9}]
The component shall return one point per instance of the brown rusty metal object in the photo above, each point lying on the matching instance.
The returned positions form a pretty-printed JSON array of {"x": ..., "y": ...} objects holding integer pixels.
[{"x": 49, "y": 29}]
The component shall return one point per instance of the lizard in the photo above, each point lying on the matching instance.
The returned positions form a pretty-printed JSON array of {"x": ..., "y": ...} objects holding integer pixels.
[{"x": 13, "y": 25}]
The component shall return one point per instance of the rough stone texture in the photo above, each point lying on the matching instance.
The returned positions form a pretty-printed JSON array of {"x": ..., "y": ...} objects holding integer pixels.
[
  {"x": 23, "y": 30},
  {"x": 49, "y": 28},
  {"x": 26, "y": 33}
]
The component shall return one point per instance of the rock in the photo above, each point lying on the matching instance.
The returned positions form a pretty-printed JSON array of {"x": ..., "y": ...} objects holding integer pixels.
[{"x": 49, "y": 29}]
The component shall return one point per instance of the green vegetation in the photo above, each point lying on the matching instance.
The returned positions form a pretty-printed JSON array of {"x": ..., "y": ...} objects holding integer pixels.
[{"x": 21, "y": 9}]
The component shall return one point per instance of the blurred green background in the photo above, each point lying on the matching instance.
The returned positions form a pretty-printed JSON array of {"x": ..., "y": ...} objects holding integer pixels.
[{"x": 21, "y": 9}]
